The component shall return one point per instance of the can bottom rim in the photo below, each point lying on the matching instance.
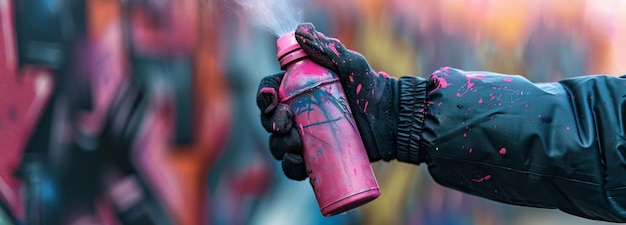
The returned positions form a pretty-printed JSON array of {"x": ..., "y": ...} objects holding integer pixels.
[{"x": 350, "y": 202}]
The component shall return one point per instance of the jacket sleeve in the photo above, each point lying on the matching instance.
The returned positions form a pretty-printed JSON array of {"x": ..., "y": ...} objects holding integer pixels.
[{"x": 552, "y": 145}]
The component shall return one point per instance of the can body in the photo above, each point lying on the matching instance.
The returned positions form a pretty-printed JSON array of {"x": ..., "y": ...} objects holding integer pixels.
[{"x": 335, "y": 157}]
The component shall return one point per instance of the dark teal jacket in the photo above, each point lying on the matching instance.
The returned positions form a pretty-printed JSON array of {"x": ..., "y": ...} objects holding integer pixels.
[{"x": 553, "y": 145}]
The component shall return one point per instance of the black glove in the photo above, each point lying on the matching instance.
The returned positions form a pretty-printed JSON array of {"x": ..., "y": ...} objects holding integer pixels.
[{"x": 373, "y": 98}]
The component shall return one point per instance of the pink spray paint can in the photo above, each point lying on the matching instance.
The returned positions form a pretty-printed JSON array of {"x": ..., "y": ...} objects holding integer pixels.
[{"x": 336, "y": 161}]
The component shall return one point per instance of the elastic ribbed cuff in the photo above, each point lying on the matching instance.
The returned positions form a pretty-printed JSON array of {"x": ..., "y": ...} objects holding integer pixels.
[{"x": 410, "y": 118}]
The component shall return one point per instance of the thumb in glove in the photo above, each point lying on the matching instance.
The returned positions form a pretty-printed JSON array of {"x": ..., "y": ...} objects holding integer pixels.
[{"x": 371, "y": 95}]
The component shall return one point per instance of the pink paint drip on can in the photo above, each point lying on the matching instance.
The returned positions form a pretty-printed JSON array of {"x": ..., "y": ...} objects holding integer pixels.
[{"x": 336, "y": 161}]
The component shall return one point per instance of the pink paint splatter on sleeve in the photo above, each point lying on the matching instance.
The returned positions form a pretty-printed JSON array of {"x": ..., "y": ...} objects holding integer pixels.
[
  {"x": 470, "y": 150},
  {"x": 567, "y": 128},
  {"x": 441, "y": 82},
  {"x": 508, "y": 80},
  {"x": 351, "y": 77},
  {"x": 384, "y": 74},
  {"x": 365, "y": 108},
  {"x": 440, "y": 103},
  {"x": 358, "y": 89},
  {"x": 480, "y": 101},
  {"x": 334, "y": 49},
  {"x": 486, "y": 177},
  {"x": 502, "y": 151},
  {"x": 470, "y": 84}
]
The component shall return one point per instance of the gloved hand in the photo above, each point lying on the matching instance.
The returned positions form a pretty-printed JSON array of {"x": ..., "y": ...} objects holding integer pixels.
[{"x": 372, "y": 98}]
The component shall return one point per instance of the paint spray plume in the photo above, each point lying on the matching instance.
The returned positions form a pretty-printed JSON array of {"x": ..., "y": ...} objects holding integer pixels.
[{"x": 278, "y": 16}]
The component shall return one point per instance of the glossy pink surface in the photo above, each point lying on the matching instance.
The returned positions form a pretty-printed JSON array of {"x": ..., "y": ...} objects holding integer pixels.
[{"x": 336, "y": 161}]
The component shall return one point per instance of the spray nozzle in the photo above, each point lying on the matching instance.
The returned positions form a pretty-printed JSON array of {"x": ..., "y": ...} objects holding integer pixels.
[{"x": 288, "y": 49}]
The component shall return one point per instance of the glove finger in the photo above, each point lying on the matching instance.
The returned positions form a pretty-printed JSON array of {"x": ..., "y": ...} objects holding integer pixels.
[
  {"x": 324, "y": 51},
  {"x": 331, "y": 53},
  {"x": 285, "y": 143},
  {"x": 280, "y": 122},
  {"x": 267, "y": 97},
  {"x": 293, "y": 167}
]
